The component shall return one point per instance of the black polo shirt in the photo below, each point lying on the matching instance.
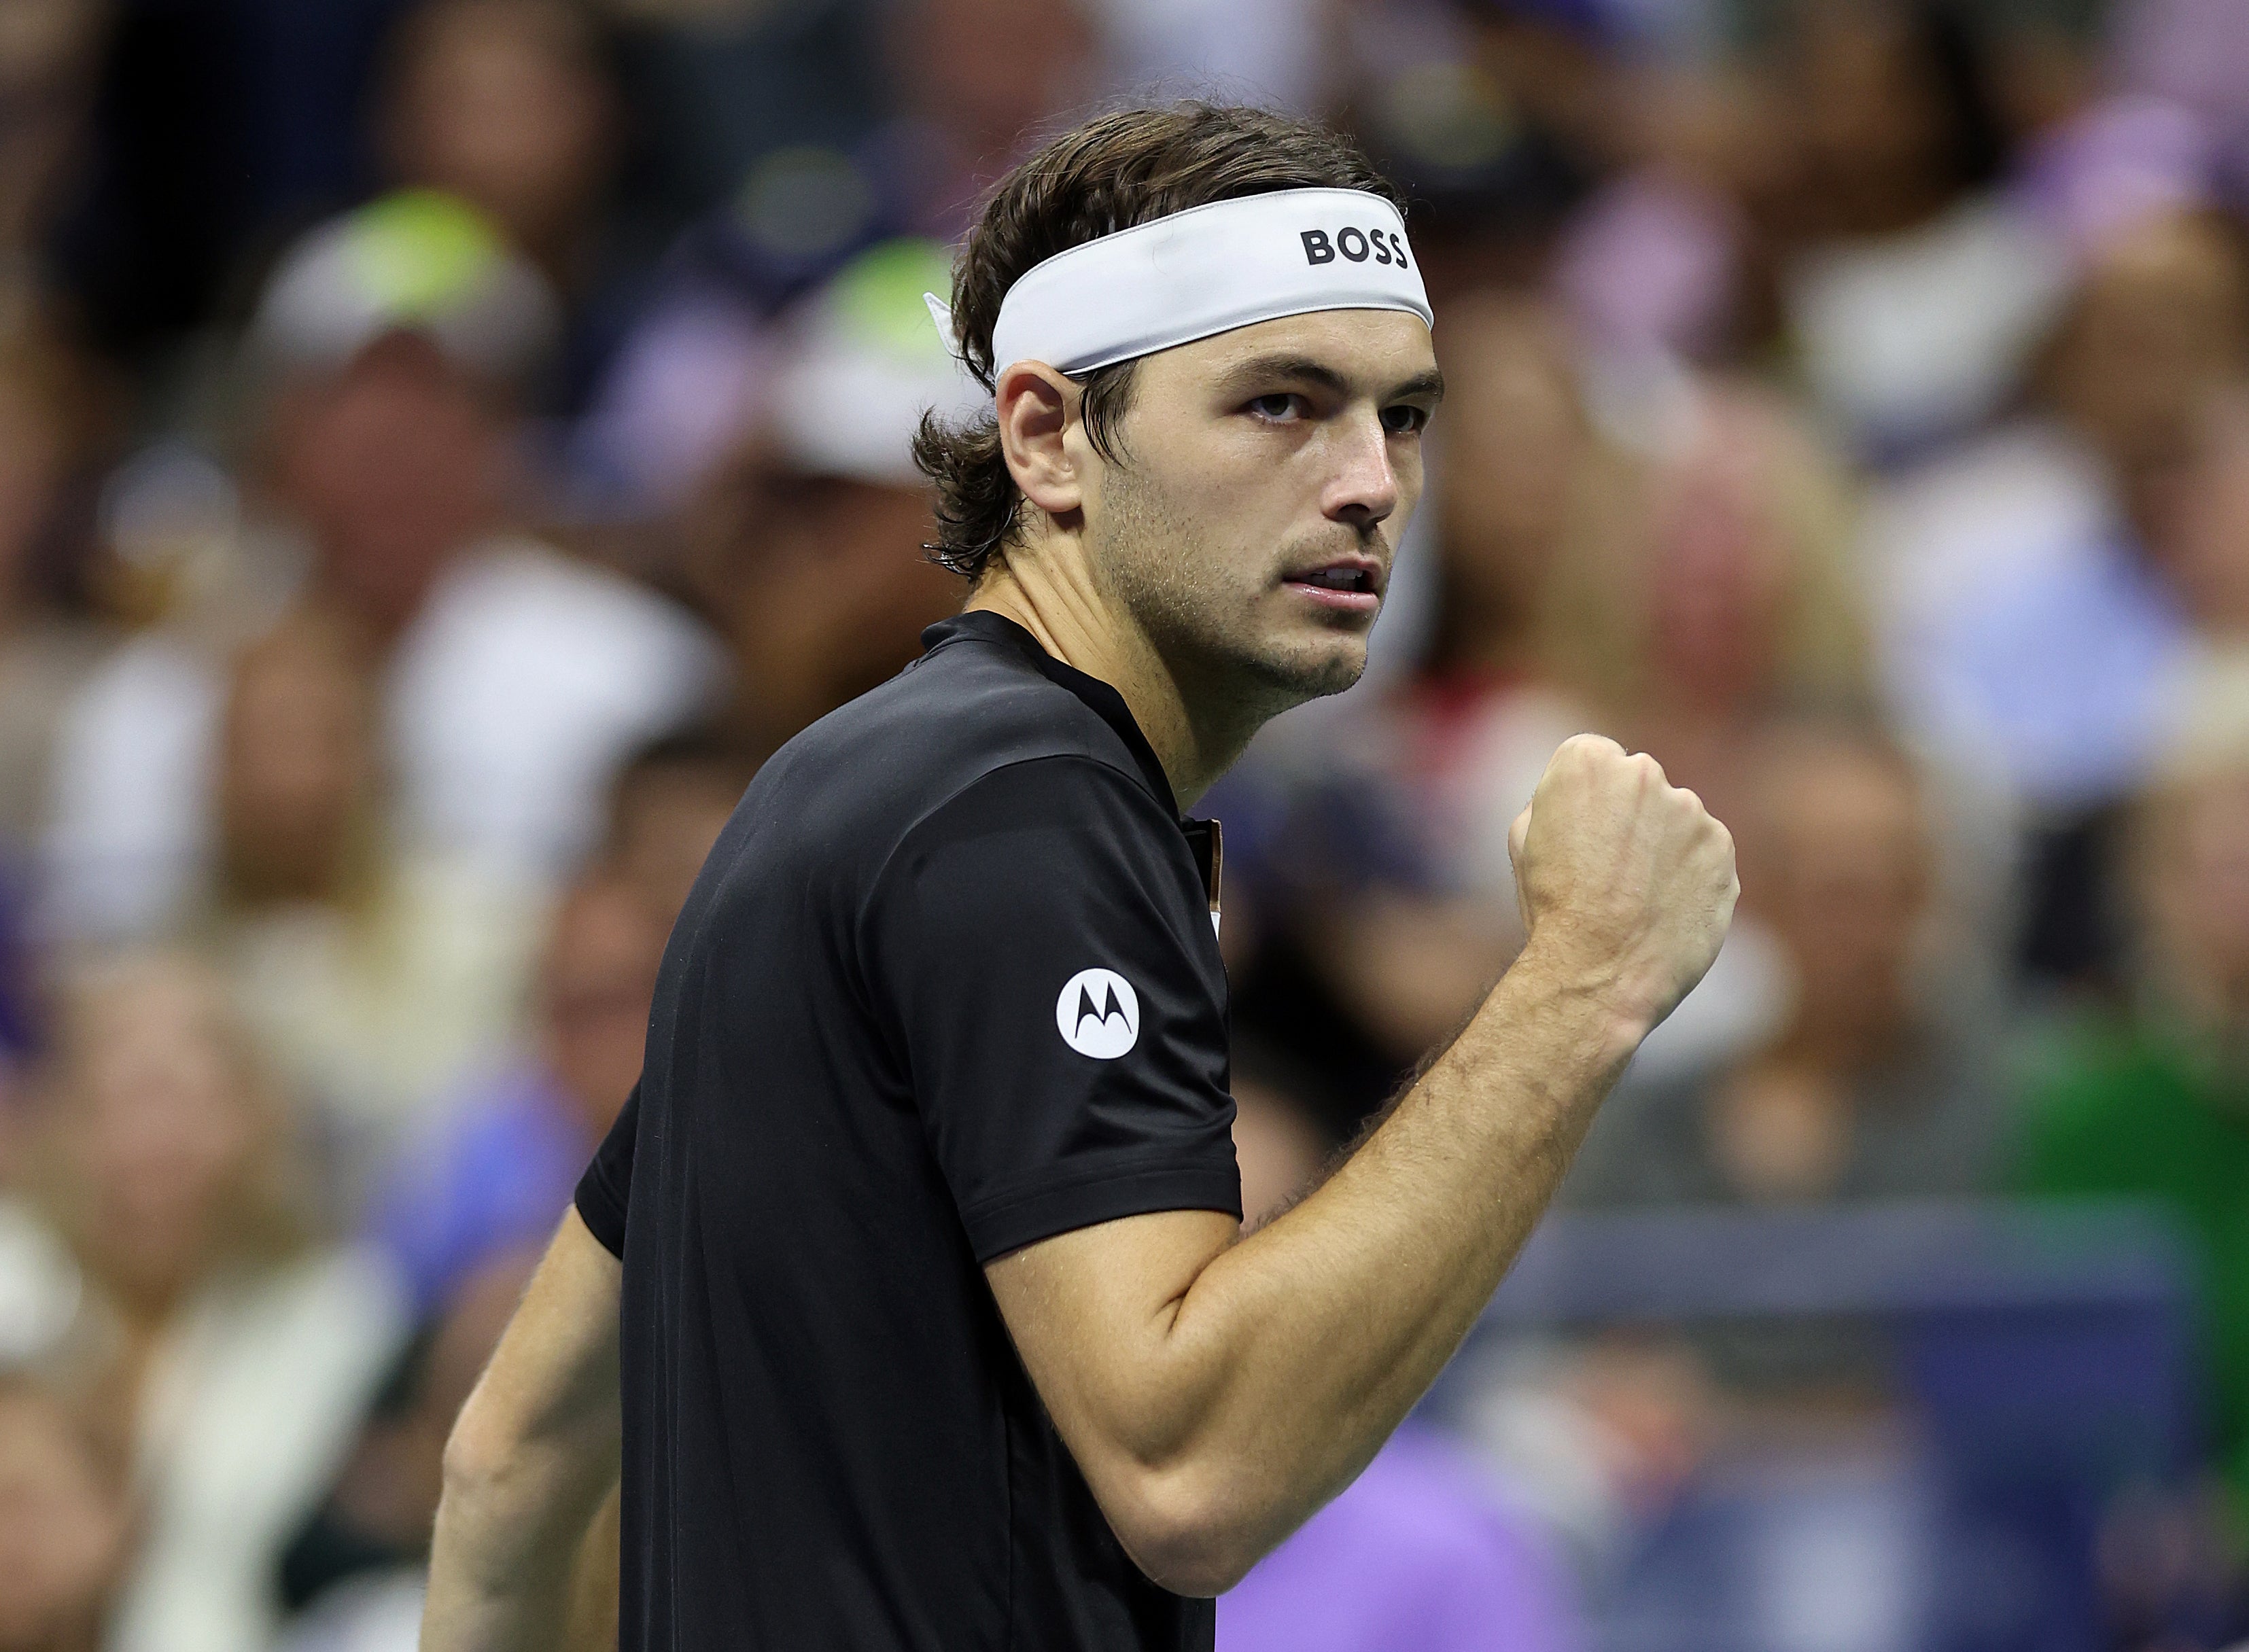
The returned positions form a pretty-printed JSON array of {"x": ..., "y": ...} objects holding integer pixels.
[{"x": 948, "y": 984}]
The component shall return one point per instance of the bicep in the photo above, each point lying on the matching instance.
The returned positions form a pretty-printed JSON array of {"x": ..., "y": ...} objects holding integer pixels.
[
  {"x": 552, "y": 1382},
  {"x": 1092, "y": 1313}
]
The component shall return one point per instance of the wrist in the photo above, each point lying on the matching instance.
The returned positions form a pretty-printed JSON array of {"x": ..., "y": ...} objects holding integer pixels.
[{"x": 1579, "y": 981}]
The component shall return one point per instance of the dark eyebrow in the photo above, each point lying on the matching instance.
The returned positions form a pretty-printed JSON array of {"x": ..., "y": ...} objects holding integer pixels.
[
  {"x": 1310, "y": 370},
  {"x": 1430, "y": 383}
]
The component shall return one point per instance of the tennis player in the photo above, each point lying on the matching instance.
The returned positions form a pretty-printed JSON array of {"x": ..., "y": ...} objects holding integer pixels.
[{"x": 914, "y": 1268}]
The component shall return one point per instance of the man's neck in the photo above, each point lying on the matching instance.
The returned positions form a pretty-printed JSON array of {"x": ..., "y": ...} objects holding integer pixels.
[{"x": 1082, "y": 628}]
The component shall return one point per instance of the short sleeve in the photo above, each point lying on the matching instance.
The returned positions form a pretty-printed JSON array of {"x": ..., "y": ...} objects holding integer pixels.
[
  {"x": 1045, "y": 955},
  {"x": 606, "y": 1189}
]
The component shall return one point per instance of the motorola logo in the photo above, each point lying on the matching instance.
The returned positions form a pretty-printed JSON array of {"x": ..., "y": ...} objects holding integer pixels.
[{"x": 1098, "y": 1014}]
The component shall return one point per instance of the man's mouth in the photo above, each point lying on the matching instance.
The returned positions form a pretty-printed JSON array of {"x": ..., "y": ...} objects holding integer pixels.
[{"x": 1350, "y": 584}]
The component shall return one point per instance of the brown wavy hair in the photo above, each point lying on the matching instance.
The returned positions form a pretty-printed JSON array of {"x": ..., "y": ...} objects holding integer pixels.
[{"x": 1115, "y": 171}]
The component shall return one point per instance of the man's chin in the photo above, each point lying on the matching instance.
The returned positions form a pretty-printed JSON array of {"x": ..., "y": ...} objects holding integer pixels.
[{"x": 1314, "y": 672}]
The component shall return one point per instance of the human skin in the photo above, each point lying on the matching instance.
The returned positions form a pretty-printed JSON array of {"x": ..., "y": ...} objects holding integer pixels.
[
  {"x": 1217, "y": 1388},
  {"x": 1268, "y": 452}
]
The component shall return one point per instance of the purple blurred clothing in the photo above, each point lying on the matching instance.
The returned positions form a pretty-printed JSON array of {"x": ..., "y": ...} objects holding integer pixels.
[
  {"x": 495, "y": 1175},
  {"x": 2110, "y": 167},
  {"x": 1419, "y": 1555}
]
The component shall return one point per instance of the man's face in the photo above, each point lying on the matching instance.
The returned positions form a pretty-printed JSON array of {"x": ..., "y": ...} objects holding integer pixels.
[
  {"x": 1265, "y": 477},
  {"x": 393, "y": 464}
]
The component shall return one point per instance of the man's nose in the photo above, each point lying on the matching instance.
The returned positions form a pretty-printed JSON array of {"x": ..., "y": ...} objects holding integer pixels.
[{"x": 1362, "y": 486}]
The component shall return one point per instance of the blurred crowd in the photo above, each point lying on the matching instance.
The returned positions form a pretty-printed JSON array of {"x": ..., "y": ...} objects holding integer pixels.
[{"x": 446, "y": 445}]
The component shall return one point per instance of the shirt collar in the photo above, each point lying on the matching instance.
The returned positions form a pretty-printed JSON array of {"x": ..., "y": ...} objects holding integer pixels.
[{"x": 984, "y": 626}]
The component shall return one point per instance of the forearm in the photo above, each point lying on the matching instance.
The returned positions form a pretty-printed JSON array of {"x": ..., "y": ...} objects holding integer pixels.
[
  {"x": 509, "y": 1538},
  {"x": 507, "y": 1545},
  {"x": 535, "y": 1450}
]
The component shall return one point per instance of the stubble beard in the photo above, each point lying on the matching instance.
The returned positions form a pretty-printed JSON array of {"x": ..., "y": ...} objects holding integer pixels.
[{"x": 1155, "y": 559}]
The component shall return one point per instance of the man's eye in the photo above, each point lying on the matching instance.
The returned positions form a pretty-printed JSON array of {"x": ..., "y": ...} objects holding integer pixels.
[
  {"x": 1279, "y": 406},
  {"x": 1404, "y": 419}
]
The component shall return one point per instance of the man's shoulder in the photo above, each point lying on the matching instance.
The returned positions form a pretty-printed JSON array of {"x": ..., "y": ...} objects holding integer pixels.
[{"x": 967, "y": 710}]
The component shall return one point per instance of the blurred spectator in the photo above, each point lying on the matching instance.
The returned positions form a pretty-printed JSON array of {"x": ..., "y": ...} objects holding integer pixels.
[
  {"x": 2038, "y": 620},
  {"x": 1503, "y": 113},
  {"x": 804, "y": 543},
  {"x": 1659, "y": 262},
  {"x": 1837, "y": 196},
  {"x": 359, "y": 1562},
  {"x": 503, "y": 104},
  {"x": 61, "y": 1525},
  {"x": 1912, "y": 292},
  {"x": 965, "y": 85},
  {"x": 2047, "y": 589},
  {"x": 50, "y": 642},
  {"x": 374, "y": 977},
  {"x": 498, "y": 1171},
  {"x": 971, "y": 83},
  {"x": 2191, "y": 53},
  {"x": 2150, "y": 1102},
  {"x": 2112, "y": 164},
  {"x": 49, "y": 59},
  {"x": 509, "y": 105},
  {"x": 1421, "y": 1550},
  {"x": 1732, "y": 598},
  {"x": 50, "y": 428},
  {"x": 666, "y": 809},
  {"x": 20, "y": 1008},
  {"x": 39, "y": 1284},
  {"x": 513, "y": 678},
  {"x": 713, "y": 86},
  {"x": 224, "y": 1352},
  {"x": 1651, "y": 266},
  {"x": 1879, "y": 1082}
]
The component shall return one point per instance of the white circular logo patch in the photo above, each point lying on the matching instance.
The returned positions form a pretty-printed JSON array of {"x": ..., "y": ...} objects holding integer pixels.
[{"x": 1098, "y": 1014}]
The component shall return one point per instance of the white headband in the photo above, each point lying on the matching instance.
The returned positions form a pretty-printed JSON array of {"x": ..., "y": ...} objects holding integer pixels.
[{"x": 1207, "y": 270}]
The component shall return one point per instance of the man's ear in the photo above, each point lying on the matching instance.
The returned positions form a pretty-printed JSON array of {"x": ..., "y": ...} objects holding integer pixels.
[{"x": 1036, "y": 407}]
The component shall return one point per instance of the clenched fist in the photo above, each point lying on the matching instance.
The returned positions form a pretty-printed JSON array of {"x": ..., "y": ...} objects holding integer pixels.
[{"x": 1627, "y": 882}]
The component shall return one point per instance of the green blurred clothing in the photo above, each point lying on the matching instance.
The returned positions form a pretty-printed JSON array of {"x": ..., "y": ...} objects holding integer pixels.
[{"x": 2133, "y": 1110}]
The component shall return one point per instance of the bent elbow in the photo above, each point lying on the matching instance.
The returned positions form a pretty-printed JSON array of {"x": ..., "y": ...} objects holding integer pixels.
[
  {"x": 1187, "y": 1537},
  {"x": 474, "y": 1461},
  {"x": 1199, "y": 1569}
]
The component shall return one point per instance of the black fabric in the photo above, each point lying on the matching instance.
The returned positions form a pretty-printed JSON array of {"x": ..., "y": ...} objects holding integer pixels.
[
  {"x": 877, "y": 1060},
  {"x": 606, "y": 1187}
]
